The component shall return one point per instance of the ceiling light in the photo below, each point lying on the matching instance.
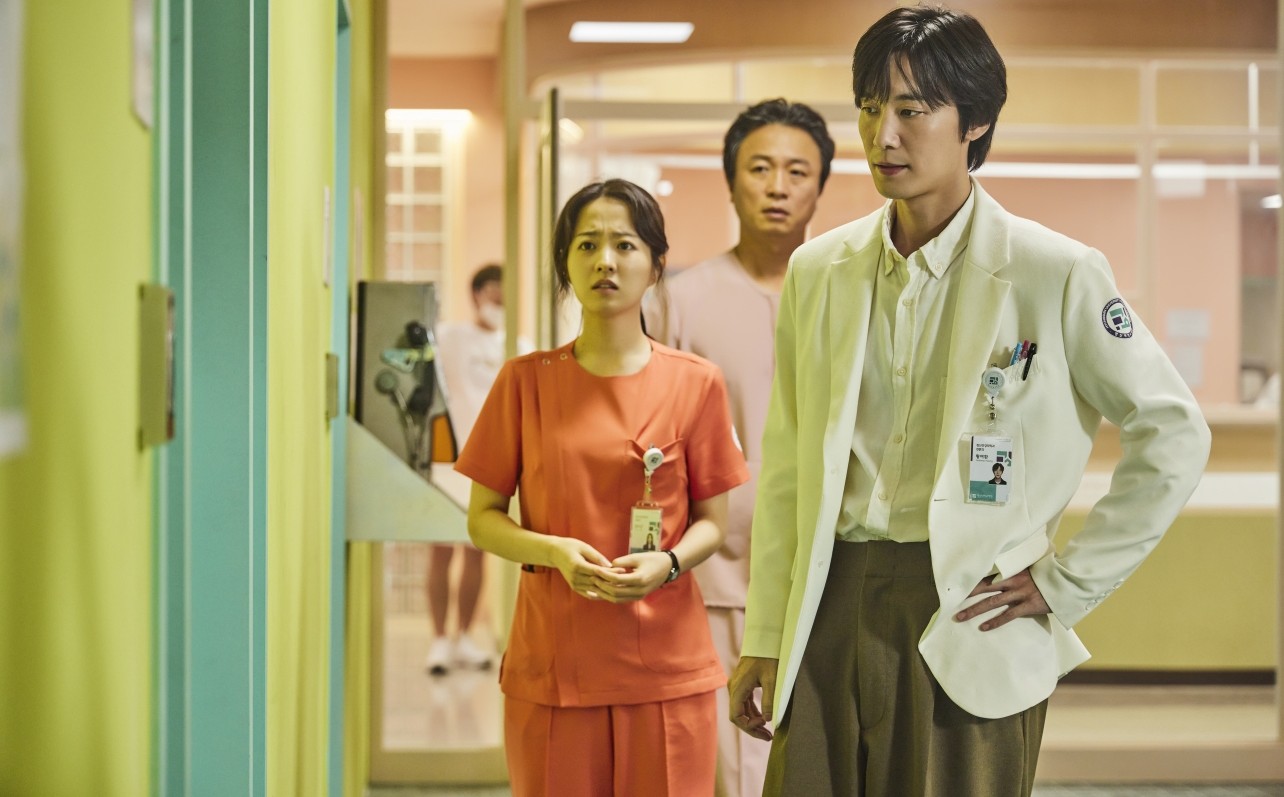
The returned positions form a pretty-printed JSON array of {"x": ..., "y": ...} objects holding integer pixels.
[
  {"x": 429, "y": 117},
  {"x": 1271, "y": 202},
  {"x": 632, "y": 32},
  {"x": 571, "y": 132}
]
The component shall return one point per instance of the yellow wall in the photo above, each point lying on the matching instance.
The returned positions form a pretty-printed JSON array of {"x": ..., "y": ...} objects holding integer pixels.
[
  {"x": 367, "y": 131},
  {"x": 471, "y": 84},
  {"x": 300, "y": 162},
  {"x": 368, "y": 85},
  {"x": 75, "y": 508}
]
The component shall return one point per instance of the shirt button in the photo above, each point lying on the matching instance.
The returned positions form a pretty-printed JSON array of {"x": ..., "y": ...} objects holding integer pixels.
[
  {"x": 908, "y": 302},
  {"x": 563, "y": 357},
  {"x": 546, "y": 361},
  {"x": 882, "y": 496},
  {"x": 898, "y": 438},
  {"x": 900, "y": 371}
]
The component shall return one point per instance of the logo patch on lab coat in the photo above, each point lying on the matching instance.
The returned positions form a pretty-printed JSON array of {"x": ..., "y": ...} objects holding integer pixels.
[{"x": 1115, "y": 318}]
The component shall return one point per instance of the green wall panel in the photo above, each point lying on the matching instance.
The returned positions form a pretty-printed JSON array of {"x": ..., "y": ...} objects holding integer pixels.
[{"x": 75, "y": 525}]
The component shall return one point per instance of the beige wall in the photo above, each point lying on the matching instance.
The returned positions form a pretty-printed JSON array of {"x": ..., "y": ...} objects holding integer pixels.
[
  {"x": 1197, "y": 253},
  {"x": 1197, "y": 244},
  {"x": 471, "y": 84},
  {"x": 737, "y": 27},
  {"x": 698, "y": 217}
]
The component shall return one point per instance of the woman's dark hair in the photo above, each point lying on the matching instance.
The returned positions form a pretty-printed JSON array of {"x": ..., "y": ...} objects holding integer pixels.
[
  {"x": 950, "y": 59},
  {"x": 777, "y": 112},
  {"x": 643, "y": 210}
]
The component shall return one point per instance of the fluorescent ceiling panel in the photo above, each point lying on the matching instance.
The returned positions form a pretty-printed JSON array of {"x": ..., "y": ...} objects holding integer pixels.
[{"x": 632, "y": 32}]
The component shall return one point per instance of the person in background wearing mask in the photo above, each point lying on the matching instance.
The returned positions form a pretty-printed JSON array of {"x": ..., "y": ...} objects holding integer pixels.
[
  {"x": 776, "y": 156},
  {"x": 470, "y": 356}
]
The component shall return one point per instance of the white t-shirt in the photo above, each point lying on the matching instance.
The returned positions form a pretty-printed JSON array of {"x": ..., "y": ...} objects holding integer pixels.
[{"x": 470, "y": 360}]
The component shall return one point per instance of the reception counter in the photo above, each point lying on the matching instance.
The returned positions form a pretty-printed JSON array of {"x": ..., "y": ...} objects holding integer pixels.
[{"x": 1206, "y": 600}]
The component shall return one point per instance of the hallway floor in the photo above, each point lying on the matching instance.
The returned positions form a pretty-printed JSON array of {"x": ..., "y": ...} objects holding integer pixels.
[
  {"x": 464, "y": 710},
  {"x": 1050, "y": 790}
]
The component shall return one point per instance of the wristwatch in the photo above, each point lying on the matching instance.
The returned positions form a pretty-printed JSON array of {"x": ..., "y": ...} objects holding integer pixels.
[{"x": 676, "y": 569}]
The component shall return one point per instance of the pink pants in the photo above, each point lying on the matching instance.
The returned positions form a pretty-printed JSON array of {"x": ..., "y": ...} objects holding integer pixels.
[{"x": 742, "y": 759}]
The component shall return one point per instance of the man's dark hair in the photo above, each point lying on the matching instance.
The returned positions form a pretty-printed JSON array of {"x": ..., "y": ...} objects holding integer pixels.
[
  {"x": 951, "y": 60},
  {"x": 777, "y": 112},
  {"x": 491, "y": 272}
]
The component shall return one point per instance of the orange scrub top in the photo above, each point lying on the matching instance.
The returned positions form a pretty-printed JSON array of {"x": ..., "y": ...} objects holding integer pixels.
[{"x": 573, "y": 442}]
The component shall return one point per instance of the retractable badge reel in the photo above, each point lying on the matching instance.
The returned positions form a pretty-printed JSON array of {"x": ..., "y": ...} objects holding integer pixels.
[
  {"x": 646, "y": 521},
  {"x": 990, "y": 466}
]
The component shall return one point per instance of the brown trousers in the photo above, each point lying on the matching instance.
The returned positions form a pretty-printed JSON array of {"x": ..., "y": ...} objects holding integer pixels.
[{"x": 868, "y": 719}]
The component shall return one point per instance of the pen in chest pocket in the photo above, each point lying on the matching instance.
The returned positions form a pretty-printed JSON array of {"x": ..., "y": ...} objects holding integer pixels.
[
  {"x": 1016, "y": 355},
  {"x": 1025, "y": 372}
]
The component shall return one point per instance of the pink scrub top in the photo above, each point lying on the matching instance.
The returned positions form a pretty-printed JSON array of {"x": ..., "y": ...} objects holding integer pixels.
[
  {"x": 715, "y": 310},
  {"x": 573, "y": 443}
]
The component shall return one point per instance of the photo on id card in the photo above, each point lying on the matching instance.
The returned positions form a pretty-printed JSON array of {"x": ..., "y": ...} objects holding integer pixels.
[
  {"x": 990, "y": 470},
  {"x": 645, "y": 527}
]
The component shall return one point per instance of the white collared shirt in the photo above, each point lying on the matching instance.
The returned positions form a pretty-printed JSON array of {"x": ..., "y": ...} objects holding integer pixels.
[{"x": 893, "y": 461}]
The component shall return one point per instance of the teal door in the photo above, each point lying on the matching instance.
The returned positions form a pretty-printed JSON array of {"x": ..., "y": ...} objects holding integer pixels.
[{"x": 211, "y": 228}]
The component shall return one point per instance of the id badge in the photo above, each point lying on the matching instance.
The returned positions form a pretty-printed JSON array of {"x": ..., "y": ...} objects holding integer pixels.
[
  {"x": 990, "y": 469},
  {"x": 645, "y": 527}
]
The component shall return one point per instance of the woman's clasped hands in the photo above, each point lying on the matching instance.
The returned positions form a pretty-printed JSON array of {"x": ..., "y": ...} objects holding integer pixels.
[{"x": 591, "y": 575}]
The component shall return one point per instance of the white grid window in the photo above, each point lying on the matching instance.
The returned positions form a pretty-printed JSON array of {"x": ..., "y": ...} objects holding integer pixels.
[{"x": 422, "y": 162}]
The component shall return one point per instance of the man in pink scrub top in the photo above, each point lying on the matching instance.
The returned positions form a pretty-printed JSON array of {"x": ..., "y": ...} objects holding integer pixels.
[{"x": 776, "y": 156}]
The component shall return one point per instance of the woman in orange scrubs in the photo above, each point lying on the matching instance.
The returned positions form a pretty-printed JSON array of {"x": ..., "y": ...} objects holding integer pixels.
[{"x": 610, "y": 672}]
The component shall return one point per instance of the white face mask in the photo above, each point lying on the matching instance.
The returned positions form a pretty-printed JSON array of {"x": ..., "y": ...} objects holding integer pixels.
[{"x": 491, "y": 314}]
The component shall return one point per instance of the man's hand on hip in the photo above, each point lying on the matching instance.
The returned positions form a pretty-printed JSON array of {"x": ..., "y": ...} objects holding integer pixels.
[
  {"x": 753, "y": 673},
  {"x": 1019, "y": 594}
]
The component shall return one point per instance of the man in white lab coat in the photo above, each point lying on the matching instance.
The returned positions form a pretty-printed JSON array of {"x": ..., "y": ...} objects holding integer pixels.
[{"x": 906, "y": 620}]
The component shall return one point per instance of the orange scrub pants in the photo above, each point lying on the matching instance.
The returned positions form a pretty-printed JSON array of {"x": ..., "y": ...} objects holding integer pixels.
[{"x": 664, "y": 749}]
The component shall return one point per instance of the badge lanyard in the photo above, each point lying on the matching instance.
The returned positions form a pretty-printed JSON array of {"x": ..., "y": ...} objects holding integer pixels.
[
  {"x": 646, "y": 523},
  {"x": 990, "y": 466}
]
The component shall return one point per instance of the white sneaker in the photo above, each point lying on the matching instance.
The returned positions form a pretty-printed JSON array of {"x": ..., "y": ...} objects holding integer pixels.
[
  {"x": 439, "y": 656},
  {"x": 469, "y": 654}
]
